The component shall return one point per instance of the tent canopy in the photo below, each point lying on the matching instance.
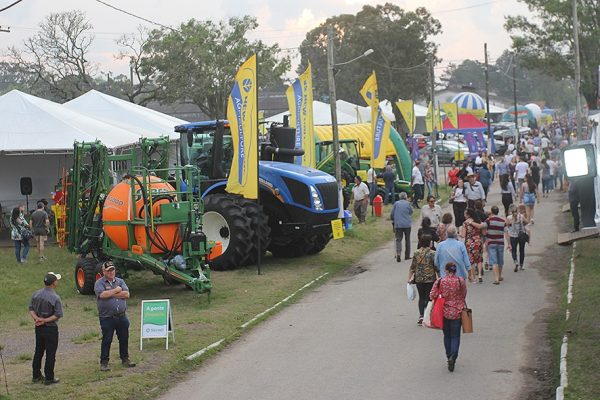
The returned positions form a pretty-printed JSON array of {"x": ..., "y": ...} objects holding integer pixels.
[
  {"x": 362, "y": 114},
  {"x": 137, "y": 119},
  {"x": 466, "y": 123},
  {"x": 321, "y": 115},
  {"x": 32, "y": 124}
]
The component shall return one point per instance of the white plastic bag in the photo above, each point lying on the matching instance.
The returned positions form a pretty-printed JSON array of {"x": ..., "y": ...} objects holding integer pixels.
[
  {"x": 411, "y": 292},
  {"x": 427, "y": 314}
]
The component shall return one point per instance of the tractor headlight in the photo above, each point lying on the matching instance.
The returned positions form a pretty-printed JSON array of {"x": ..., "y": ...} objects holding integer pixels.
[{"x": 316, "y": 199}]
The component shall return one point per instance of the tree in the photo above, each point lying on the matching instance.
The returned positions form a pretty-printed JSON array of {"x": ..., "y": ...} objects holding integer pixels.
[
  {"x": 197, "y": 62},
  {"x": 401, "y": 43},
  {"x": 139, "y": 87},
  {"x": 55, "y": 58},
  {"x": 546, "y": 42}
]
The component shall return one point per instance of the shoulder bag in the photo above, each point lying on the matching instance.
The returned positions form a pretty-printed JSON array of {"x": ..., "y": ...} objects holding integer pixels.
[
  {"x": 466, "y": 319},
  {"x": 437, "y": 312}
]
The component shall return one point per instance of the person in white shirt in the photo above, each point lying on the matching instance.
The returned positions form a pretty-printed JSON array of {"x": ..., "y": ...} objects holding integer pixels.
[
  {"x": 371, "y": 183},
  {"x": 545, "y": 142},
  {"x": 360, "y": 191},
  {"x": 473, "y": 191},
  {"x": 520, "y": 171},
  {"x": 417, "y": 184}
]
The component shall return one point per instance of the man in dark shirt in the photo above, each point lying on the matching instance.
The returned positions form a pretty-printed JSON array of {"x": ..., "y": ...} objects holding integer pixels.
[
  {"x": 45, "y": 309},
  {"x": 111, "y": 294}
]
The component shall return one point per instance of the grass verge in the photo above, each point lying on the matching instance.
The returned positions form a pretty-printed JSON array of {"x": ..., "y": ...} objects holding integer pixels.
[
  {"x": 583, "y": 359},
  {"x": 237, "y": 297}
]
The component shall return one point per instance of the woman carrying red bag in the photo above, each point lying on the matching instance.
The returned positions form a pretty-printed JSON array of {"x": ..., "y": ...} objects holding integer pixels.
[{"x": 454, "y": 291}]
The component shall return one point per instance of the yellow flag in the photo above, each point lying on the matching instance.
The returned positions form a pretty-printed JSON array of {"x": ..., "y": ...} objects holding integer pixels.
[
  {"x": 407, "y": 109},
  {"x": 242, "y": 114},
  {"x": 429, "y": 119},
  {"x": 451, "y": 110},
  {"x": 300, "y": 102},
  {"x": 380, "y": 126}
]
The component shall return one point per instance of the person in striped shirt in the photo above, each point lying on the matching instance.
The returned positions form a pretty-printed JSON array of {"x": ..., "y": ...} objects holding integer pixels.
[{"x": 495, "y": 227}]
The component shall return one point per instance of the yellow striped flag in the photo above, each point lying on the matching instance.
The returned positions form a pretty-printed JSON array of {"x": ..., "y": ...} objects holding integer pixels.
[
  {"x": 451, "y": 110},
  {"x": 407, "y": 109},
  {"x": 300, "y": 102},
  {"x": 242, "y": 115},
  {"x": 380, "y": 126},
  {"x": 429, "y": 119}
]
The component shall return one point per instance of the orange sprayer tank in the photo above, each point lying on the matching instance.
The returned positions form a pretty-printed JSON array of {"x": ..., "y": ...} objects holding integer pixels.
[{"x": 117, "y": 208}]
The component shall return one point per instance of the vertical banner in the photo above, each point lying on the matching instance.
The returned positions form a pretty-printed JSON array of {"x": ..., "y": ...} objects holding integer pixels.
[
  {"x": 242, "y": 114},
  {"x": 429, "y": 119},
  {"x": 471, "y": 144},
  {"x": 451, "y": 110},
  {"x": 300, "y": 102},
  {"x": 438, "y": 119},
  {"x": 380, "y": 126},
  {"x": 407, "y": 109},
  {"x": 481, "y": 141}
]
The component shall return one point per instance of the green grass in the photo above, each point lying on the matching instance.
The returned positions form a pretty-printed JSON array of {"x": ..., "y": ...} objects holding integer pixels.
[
  {"x": 583, "y": 359},
  {"x": 237, "y": 297}
]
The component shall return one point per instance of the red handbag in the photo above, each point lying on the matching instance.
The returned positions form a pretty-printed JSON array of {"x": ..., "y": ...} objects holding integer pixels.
[{"x": 437, "y": 312}]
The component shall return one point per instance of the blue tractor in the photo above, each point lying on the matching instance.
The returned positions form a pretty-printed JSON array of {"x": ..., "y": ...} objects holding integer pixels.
[{"x": 297, "y": 204}]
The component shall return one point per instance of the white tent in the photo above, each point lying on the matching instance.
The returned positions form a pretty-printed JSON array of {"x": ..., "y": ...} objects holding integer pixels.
[
  {"x": 34, "y": 125},
  {"x": 140, "y": 120},
  {"x": 362, "y": 114},
  {"x": 321, "y": 115}
]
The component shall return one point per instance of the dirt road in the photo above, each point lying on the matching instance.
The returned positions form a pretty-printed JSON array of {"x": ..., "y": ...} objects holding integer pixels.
[{"x": 356, "y": 337}]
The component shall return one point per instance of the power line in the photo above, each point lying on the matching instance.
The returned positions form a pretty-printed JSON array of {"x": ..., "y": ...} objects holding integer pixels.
[
  {"x": 466, "y": 8},
  {"x": 398, "y": 68},
  {"x": 135, "y": 16},
  {"x": 10, "y": 5}
]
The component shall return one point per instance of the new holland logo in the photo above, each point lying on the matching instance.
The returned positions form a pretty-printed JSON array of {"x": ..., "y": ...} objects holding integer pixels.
[{"x": 247, "y": 85}]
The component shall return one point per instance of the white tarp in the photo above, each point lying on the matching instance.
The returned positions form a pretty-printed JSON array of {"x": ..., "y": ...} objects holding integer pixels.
[
  {"x": 321, "y": 115},
  {"x": 32, "y": 124},
  {"x": 140, "y": 120}
]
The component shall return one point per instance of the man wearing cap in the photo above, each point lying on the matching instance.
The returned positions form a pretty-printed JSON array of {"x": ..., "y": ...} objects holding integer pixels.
[
  {"x": 473, "y": 190},
  {"x": 45, "y": 309},
  {"x": 111, "y": 294}
]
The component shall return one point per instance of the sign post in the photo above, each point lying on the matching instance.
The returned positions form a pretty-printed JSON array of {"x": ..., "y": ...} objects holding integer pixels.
[{"x": 156, "y": 321}]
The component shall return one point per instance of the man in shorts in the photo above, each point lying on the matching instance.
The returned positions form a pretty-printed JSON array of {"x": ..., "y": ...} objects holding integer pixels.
[
  {"x": 40, "y": 224},
  {"x": 495, "y": 227}
]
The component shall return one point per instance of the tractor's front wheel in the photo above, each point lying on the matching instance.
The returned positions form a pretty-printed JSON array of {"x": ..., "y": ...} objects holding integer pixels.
[
  {"x": 86, "y": 274},
  {"x": 319, "y": 242}
]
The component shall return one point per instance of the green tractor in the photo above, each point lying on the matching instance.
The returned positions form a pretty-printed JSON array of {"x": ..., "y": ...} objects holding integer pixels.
[
  {"x": 349, "y": 163},
  {"x": 131, "y": 209}
]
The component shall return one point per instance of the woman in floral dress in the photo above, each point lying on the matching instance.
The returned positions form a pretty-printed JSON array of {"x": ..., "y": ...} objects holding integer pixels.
[{"x": 471, "y": 231}]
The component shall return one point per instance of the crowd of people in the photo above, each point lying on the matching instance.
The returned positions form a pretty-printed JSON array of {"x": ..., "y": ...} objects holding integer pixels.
[{"x": 460, "y": 245}]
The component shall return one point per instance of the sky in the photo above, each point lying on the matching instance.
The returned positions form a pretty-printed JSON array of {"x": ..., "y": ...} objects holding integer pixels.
[{"x": 466, "y": 24}]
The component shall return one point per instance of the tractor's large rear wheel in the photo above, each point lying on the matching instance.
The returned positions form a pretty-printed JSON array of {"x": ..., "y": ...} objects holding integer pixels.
[
  {"x": 87, "y": 272},
  {"x": 225, "y": 221},
  {"x": 259, "y": 225}
]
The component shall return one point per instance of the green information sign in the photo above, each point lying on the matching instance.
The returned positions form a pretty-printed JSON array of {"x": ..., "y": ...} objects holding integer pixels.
[{"x": 156, "y": 320}]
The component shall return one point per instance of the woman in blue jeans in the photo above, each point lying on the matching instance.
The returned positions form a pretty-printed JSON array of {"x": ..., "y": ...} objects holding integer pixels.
[
  {"x": 516, "y": 223},
  {"x": 454, "y": 290},
  {"x": 17, "y": 224}
]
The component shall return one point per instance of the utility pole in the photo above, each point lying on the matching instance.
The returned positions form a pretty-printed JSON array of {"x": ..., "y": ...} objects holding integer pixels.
[
  {"x": 487, "y": 99},
  {"x": 333, "y": 105},
  {"x": 577, "y": 69},
  {"x": 434, "y": 122},
  {"x": 515, "y": 99}
]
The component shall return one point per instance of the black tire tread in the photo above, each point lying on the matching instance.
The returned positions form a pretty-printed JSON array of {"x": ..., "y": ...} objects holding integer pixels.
[
  {"x": 239, "y": 231},
  {"x": 90, "y": 268}
]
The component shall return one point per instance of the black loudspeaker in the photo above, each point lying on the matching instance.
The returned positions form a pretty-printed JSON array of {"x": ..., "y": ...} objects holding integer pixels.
[{"x": 26, "y": 186}]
